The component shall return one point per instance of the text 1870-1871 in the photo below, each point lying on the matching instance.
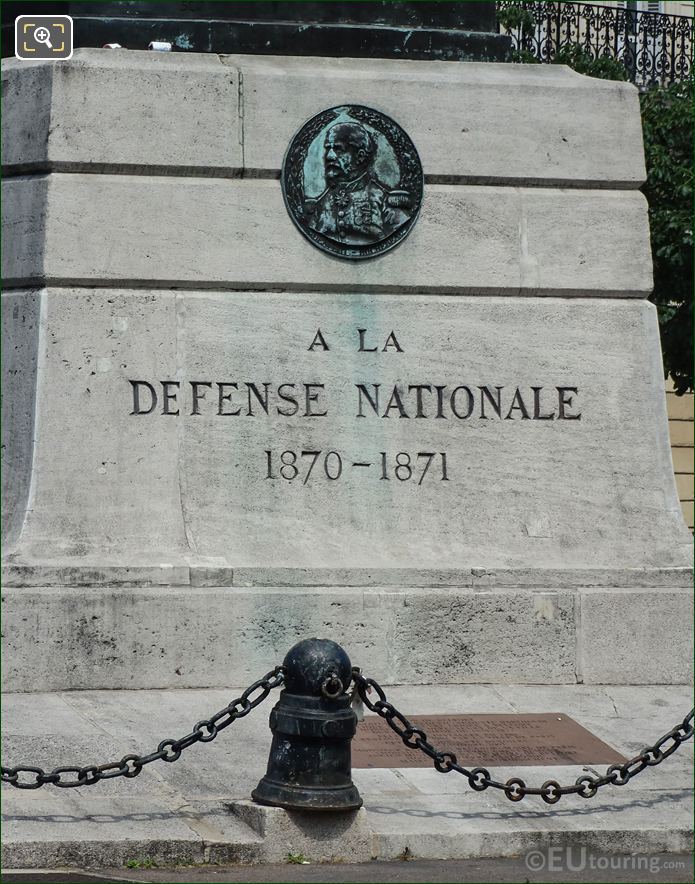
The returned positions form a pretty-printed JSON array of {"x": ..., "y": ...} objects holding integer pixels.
[{"x": 402, "y": 466}]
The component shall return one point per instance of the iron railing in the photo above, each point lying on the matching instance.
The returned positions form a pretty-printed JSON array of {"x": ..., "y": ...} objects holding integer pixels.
[{"x": 654, "y": 48}]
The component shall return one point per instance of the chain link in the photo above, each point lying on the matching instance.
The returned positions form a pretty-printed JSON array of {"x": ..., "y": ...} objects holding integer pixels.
[
  {"x": 168, "y": 750},
  {"x": 479, "y": 779}
]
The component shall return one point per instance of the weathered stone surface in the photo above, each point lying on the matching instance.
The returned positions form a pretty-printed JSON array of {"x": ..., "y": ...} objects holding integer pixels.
[
  {"x": 485, "y": 636},
  {"x": 48, "y": 748},
  {"x": 110, "y": 575},
  {"x": 177, "y": 114},
  {"x": 168, "y": 491},
  {"x": 436, "y": 835},
  {"x": 138, "y": 540},
  {"x": 344, "y": 837},
  {"x": 26, "y": 111},
  {"x": 86, "y": 229},
  {"x": 476, "y": 578},
  {"x": 186, "y": 816},
  {"x": 646, "y": 636},
  {"x": 89, "y": 361},
  {"x": 20, "y": 335},
  {"x": 82, "y": 831},
  {"x": 475, "y": 122},
  {"x": 193, "y": 637},
  {"x": 189, "y": 113},
  {"x": 179, "y": 637}
]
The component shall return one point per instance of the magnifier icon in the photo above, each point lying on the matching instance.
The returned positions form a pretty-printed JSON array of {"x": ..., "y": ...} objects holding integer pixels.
[{"x": 43, "y": 35}]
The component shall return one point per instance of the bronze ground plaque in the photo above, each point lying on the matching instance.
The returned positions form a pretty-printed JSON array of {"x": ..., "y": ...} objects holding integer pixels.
[{"x": 477, "y": 740}]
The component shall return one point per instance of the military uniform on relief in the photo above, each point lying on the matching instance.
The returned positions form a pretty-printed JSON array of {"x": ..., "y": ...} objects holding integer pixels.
[
  {"x": 359, "y": 212},
  {"x": 361, "y": 193}
]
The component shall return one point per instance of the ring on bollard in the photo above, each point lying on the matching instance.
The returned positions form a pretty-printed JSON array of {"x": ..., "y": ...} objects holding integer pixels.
[
  {"x": 309, "y": 767},
  {"x": 332, "y": 686}
]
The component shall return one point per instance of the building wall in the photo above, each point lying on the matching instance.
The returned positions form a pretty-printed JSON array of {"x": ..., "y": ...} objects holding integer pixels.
[
  {"x": 680, "y": 424},
  {"x": 671, "y": 7},
  {"x": 668, "y": 7}
]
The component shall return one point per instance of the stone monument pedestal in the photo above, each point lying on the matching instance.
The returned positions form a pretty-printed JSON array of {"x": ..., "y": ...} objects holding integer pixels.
[
  {"x": 449, "y": 31},
  {"x": 217, "y": 440}
]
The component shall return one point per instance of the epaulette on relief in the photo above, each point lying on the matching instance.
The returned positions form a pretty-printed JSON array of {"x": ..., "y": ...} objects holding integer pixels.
[{"x": 398, "y": 199}]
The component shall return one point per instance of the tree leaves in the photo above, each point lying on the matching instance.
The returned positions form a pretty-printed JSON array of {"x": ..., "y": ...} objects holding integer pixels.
[{"x": 667, "y": 123}]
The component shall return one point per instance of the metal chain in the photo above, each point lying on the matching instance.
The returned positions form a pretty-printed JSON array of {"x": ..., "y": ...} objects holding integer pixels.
[
  {"x": 168, "y": 750},
  {"x": 515, "y": 788}
]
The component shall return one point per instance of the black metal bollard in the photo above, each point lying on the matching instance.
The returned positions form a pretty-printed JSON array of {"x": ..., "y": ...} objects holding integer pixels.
[{"x": 312, "y": 724}]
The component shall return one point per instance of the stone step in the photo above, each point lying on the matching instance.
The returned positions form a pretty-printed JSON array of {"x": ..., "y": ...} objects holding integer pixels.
[{"x": 197, "y": 809}]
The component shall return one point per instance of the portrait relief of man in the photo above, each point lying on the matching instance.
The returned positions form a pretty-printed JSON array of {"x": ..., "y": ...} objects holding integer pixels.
[{"x": 356, "y": 208}]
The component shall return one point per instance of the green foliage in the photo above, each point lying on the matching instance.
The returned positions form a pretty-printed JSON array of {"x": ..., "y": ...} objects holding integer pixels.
[
  {"x": 297, "y": 859},
  {"x": 515, "y": 16},
  {"x": 145, "y": 863},
  {"x": 524, "y": 56},
  {"x": 667, "y": 122},
  {"x": 581, "y": 61}
]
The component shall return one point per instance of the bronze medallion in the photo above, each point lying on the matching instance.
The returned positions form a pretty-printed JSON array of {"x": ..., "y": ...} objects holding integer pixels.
[{"x": 352, "y": 182}]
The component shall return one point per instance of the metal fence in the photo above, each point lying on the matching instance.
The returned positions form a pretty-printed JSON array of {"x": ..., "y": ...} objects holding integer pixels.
[{"x": 654, "y": 48}]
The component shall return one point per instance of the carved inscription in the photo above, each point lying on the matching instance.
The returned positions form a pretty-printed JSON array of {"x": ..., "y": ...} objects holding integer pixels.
[
  {"x": 400, "y": 401},
  {"x": 410, "y": 399},
  {"x": 403, "y": 466}
]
